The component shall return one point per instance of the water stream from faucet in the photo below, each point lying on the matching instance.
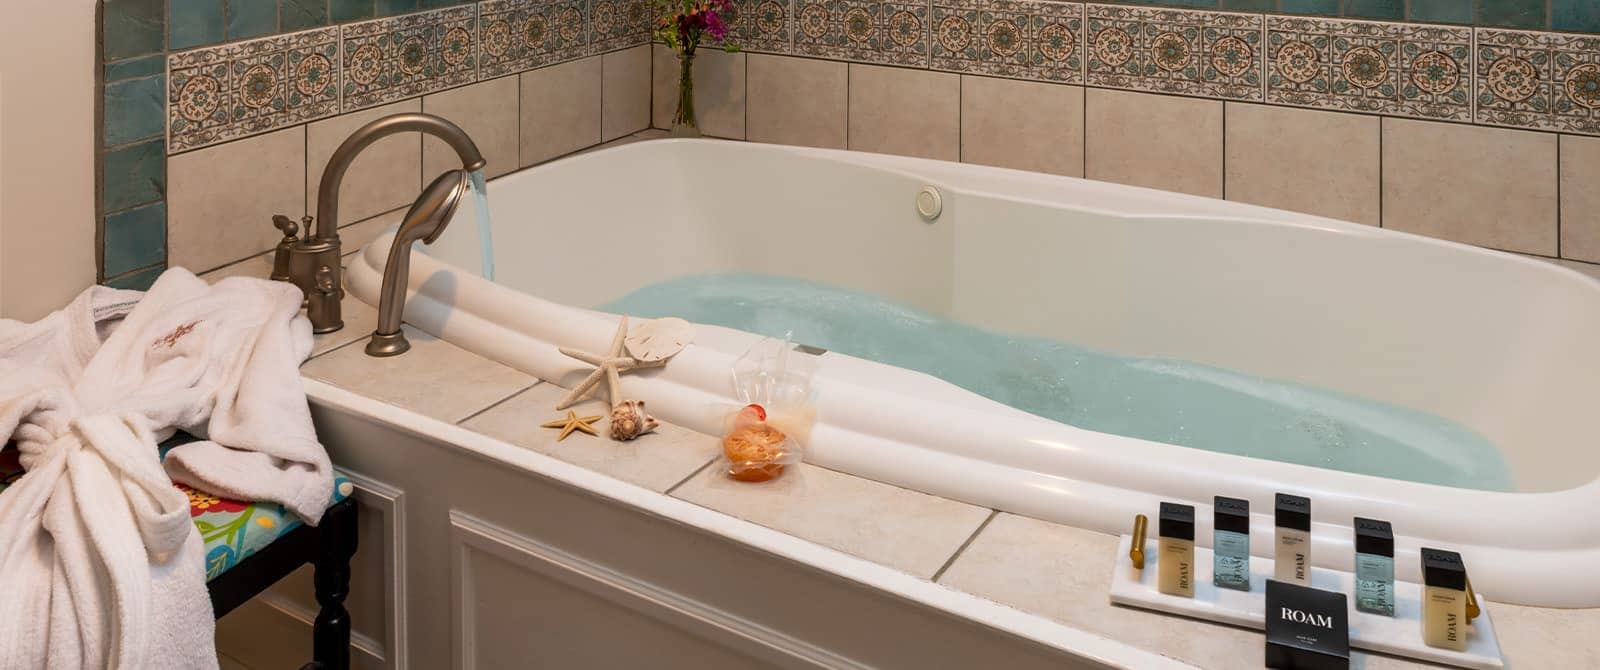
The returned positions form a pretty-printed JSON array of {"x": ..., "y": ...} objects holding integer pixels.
[{"x": 480, "y": 203}]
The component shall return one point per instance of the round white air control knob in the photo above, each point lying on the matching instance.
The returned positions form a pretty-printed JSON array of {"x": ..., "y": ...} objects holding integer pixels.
[{"x": 929, "y": 203}]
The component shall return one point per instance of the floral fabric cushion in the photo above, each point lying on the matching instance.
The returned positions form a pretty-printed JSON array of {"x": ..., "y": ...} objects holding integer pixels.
[{"x": 232, "y": 529}]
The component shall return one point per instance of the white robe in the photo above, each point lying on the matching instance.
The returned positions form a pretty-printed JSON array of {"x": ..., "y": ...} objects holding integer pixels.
[{"x": 100, "y": 564}]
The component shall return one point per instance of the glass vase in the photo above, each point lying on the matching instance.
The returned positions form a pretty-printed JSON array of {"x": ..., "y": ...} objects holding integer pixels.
[{"x": 683, "y": 122}]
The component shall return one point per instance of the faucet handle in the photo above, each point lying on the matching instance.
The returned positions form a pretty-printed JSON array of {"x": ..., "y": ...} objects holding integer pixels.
[
  {"x": 291, "y": 230},
  {"x": 280, "y": 255}
]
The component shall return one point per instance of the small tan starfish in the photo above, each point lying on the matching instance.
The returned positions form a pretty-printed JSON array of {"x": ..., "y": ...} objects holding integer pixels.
[
  {"x": 610, "y": 366},
  {"x": 571, "y": 423}
]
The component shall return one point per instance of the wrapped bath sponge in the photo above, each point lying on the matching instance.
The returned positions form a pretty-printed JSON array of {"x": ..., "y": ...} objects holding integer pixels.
[
  {"x": 769, "y": 432},
  {"x": 755, "y": 450}
]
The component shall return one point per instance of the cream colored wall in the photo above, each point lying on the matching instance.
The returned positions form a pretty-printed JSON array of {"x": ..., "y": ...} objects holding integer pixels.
[{"x": 46, "y": 155}]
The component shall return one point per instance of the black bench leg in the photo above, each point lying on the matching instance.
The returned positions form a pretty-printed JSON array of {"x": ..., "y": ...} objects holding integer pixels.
[{"x": 331, "y": 634}]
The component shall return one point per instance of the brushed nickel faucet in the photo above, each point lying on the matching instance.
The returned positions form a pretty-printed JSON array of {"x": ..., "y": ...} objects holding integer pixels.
[{"x": 312, "y": 262}]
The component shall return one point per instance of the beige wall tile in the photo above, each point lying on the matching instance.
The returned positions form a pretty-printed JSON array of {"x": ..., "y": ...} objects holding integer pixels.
[
  {"x": 258, "y": 267},
  {"x": 220, "y": 199},
  {"x": 1591, "y": 269},
  {"x": 1304, "y": 160},
  {"x": 641, "y": 136},
  {"x": 797, "y": 101},
  {"x": 905, "y": 112},
  {"x": 626, "y": 77},
  {"x": 488, "y": 112},
  {"x": 1156, "y": 141},
  {"x": 897, "y": 527},
  {"x": 718, "y": 91},
  {"x": 560, "y": 109},
  {"x": 1491, "y": 187},
  {"x": 1022, "y": 124},
  {"x": 359, "y": 318},
  {"x": 358, "y": 234},
  {"x": 1580, "y": 198},
  {"x": 386, "y": 175},
  {"x": 656, "y": 460}
]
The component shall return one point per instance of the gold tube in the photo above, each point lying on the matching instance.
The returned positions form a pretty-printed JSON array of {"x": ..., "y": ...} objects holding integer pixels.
[
  {"x": 1472, "y": 603},
  {"x": 1136, "y": 552}
]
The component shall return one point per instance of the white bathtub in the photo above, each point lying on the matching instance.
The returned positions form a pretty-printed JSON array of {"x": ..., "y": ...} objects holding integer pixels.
[{"x": 1507, "y": 346}]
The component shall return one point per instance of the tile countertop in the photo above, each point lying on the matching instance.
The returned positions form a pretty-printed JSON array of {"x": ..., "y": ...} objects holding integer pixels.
[{"x": 1054, "y": 571}]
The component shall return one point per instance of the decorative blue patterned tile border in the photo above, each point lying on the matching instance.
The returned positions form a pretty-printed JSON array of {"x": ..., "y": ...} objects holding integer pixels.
[
  {"x": 1397, "y": 69},
  {"x": 1187, "y": 52},
  {"x": 614, "y": 24},
  {"x": 1492, "y": 76},
  {"x": 1546, "y": 81},
  {"x": 762, "y": 25},
  {"x": 225, "y": 92},
  {"x": 1024, "y": 39},
  {"x": 866, "y": 31},
  {"x": 161, "y": 100},
  {"x": 407, "y": 56}
]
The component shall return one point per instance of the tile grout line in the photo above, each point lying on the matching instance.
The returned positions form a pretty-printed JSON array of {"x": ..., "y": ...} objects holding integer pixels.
[
  {"x": 745, "y": 132},
  {"x": 305, "y": 175},
  {"x": 1381, "y": 189},
  {"x": 330, "y": 351},
  {"x": 692, "y": 475},
  {"x": 963, "y": 548},
  {"x": 499, "y": 402}
]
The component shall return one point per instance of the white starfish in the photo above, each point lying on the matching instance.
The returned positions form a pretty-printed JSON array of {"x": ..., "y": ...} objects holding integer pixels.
[{"x": 610, "y": 366}]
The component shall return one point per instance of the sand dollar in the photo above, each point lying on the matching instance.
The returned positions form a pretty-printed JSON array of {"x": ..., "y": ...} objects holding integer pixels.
[{"x": 659, "y": 339}]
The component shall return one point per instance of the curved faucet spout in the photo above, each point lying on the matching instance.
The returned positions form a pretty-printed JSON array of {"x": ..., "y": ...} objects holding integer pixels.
[{"x": 333, "y": 174}]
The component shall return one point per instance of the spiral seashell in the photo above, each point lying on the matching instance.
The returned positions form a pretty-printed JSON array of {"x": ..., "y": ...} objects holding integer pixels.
[{"x": 629, "y": 420}]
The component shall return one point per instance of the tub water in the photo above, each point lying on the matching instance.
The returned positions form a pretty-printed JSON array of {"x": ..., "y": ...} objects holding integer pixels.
[
  {"x": 1069, "y": 350},
  {"x": 1163, "y": 400},
  {"x": 480, "y": 211}
]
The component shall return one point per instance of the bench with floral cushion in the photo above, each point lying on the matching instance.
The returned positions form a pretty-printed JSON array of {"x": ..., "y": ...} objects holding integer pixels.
[{"x": 249, "y": 546}]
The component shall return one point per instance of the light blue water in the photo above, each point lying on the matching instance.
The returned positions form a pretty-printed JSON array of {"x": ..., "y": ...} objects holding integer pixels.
[
  {"x": 480, "y": 194},
  {"x": 1164, "y": 400}
]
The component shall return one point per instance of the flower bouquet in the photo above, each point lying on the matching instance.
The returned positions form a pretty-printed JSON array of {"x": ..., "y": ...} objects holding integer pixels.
[{"x": 683, "y": 25}]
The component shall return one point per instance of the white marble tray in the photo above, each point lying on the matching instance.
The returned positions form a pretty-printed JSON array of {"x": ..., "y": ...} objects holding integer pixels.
[{"x": 1400, "y": 635}]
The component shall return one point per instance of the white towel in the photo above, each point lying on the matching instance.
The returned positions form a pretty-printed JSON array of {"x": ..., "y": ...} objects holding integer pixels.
[{"x": 100, "y": 565}]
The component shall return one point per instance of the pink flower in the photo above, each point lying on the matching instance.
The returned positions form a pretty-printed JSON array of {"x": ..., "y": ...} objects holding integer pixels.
[{"x": 715, "y": 26}]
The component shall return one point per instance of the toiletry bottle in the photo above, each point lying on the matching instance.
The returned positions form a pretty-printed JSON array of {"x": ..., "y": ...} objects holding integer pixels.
[
  {"x": 1374, "y": 566},
  {"x": 1176, "y": 569},
  {"x": 1292, "y": 553},
  {"x": 1230, "y": 542},
  {"x": 1444, "y": 599}
]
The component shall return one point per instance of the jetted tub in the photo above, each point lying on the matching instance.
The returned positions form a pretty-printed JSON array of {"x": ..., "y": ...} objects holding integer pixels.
[{"x": 1506, "y": 347}]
